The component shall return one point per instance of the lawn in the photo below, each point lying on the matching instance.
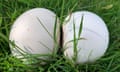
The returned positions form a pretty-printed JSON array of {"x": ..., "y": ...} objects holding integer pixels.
[{"x": 108, "y": 10}]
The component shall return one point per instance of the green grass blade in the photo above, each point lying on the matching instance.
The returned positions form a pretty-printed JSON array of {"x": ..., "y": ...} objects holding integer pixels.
[
  {"x": 81, "y": 27},
  {"x": 75, "y": 42},
  {"x": 45, "y": 28}
]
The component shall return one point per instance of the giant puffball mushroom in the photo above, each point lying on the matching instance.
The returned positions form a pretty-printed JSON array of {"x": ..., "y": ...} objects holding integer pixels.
[
  {"x": 34, "y": 33},
  {"x": 94, "y": 37}
]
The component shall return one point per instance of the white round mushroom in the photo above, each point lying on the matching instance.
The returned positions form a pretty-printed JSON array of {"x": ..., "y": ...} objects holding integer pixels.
[
  {"x": 94, "y": 37},
  {"x": 33, "y": 33}
]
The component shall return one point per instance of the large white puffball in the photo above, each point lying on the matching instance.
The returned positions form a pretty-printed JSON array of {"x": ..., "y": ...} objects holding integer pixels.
[
  {"x": 33, "y": 33},
  {"x": 95, "y": 36}
]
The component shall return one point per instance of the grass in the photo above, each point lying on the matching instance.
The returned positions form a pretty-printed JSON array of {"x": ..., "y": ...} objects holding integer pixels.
[{"x": 109, "y": 10}]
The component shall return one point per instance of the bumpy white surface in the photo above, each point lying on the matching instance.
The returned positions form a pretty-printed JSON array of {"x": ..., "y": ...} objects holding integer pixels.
[
  {"x": 94, "y": 32},
  {"x": 28, "y": 33}
]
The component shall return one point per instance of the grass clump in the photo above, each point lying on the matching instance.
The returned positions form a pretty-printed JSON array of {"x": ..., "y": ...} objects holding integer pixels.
[{"x": 109, "y": 10}]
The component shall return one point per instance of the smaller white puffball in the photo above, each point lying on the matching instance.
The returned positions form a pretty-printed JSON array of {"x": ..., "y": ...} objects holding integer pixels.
[
  {"x": 33, "y": 33},
  {"x": 94, "y": 33}
]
